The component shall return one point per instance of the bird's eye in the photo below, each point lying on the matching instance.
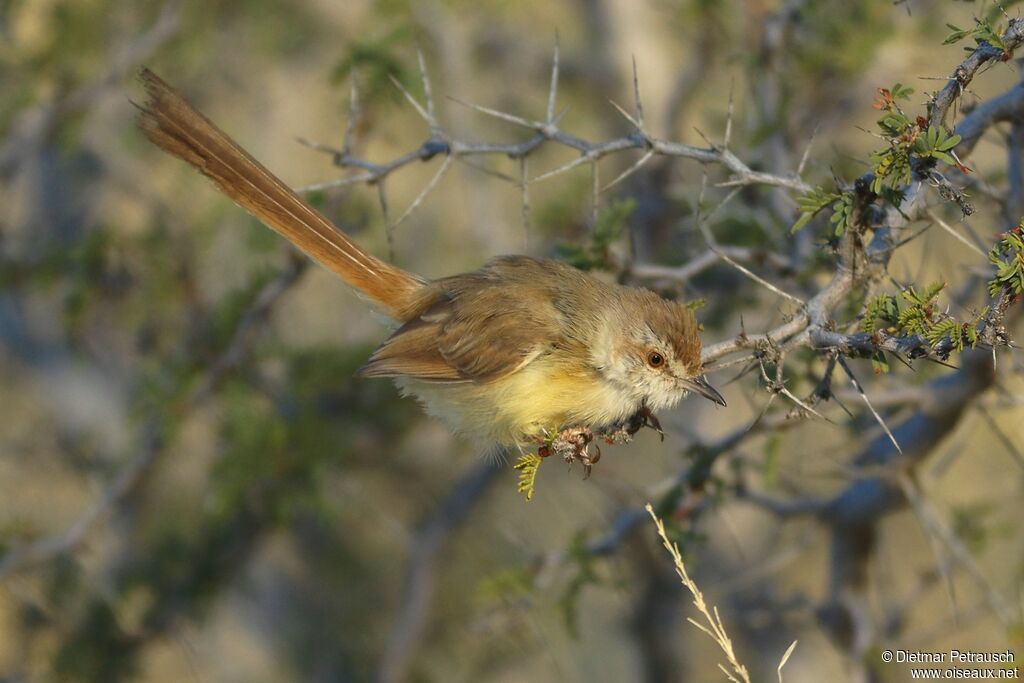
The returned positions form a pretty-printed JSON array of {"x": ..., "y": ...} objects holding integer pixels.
[{"x": 655, "y": 359}]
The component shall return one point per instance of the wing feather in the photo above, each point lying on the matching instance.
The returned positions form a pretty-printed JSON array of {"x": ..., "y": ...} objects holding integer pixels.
[{"x": 484, "y": 326}]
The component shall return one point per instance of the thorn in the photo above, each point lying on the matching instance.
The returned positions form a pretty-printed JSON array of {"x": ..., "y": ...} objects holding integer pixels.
[
  {"x": 704, "y": 137},
  {"x": 412, "y": 100},
  {"x": 636, "y": 97},
  {"x": 629, "y": 171},
  {"x": 427, "y": 92},
  {"x": 867, "y": 402},
  {"x": 728, "y": 120},
  {"x": 353, "y": 115},
  {"x": 511, "y": 118},
  {"x": 365, "y": 177},
  {"x": 625, "y": 114},
  {"x": 552, "y": 92},
  {"x": 807, "y": 150},
  {"x": 579, "y": 161},
  {"x": 426, "y": 189},
  {"x": 318, "y": 146}
]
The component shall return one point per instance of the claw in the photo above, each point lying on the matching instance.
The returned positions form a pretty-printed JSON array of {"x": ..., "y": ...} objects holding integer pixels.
[
  {"x": 651, "y": 420},
  {"x": 625, "y": 430}
]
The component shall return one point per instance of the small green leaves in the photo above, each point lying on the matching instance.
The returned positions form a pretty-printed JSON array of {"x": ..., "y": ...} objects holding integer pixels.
[
  {"x": 527, "y": 464},
  {"x": 957, "y": 34},
  {"x": 906, "y": 137},
  {"x": 1008, "y": 258},
  {"x": 945, "y": 328},
  {"x": 925, "y": 298},
  {"x": 893, "y": 123},
  {"x": 842, "y": 213},
  {"x": 816, "y": 200},
  {"x": 916, "y": 312},
  {"x": 883, "y": 308},
  {"x": 901, "y": 92},
  {"x": 879, "y": 363},
  {"x": 910, "y": 313},
  {"x": 938, "y": 143},
  {"x": 983, "y": 32},
  {"x": 891, "y": 166}
]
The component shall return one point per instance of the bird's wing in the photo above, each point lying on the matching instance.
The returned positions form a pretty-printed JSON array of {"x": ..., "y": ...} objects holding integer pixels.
[{"x": 483, "y": 326}]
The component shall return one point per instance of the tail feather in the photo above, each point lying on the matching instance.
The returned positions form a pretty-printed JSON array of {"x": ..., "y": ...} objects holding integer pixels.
[{"x": 171, "y": 123}]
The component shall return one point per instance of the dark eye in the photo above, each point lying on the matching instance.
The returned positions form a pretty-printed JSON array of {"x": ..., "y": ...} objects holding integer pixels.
[{"x": 655, "y": 359}]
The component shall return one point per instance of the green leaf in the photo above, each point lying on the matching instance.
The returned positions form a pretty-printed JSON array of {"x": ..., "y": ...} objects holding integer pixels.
[
  {"x": 901, "y": 92},
  {"x": 1007, "y": 255},
  {"x": 956, "y": 36},
  {"x": 893, "y": 123},
  {"x": 527, "y": 465},
  {"x": 949, "y": 143},
  {"x": 810, "y": 204},
  {"x": 801, "y": 222}
]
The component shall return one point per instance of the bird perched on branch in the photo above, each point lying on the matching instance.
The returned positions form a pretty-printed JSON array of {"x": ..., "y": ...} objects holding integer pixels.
[{"x": 523, "y": 351}]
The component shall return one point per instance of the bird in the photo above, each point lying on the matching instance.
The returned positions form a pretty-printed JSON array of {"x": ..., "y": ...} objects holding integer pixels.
[{"x": 522, "y": 352}]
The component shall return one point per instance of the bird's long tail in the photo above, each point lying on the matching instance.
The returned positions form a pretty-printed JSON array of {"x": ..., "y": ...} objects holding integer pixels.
[{"x": 171, "y": 123}]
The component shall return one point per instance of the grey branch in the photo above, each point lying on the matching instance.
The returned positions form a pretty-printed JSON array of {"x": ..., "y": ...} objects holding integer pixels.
[
  {"x": 965, "y": 72},
  {"x": 543, "y": 132}
]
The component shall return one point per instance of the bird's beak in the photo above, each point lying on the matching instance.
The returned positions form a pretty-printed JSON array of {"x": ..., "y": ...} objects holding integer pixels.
[{"x": 700, "y": 385}]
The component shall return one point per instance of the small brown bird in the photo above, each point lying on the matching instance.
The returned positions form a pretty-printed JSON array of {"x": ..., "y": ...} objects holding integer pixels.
[{"x": 518, "y": 352}]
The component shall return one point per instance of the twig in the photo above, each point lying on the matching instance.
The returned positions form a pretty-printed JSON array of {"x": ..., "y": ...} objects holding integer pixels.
[
  {"x": 425, "y": 191},
  {"x": 629, "y": 171},
  {"x": 960, "y": 238},
  {"x": 867, "y": 402},
  {"x": 964, "y": 73},
  {"x": 553, "y": 89},
  {"x": 709, "y": 238}
]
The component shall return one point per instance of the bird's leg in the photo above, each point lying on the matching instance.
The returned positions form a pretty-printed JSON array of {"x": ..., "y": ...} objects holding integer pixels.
[
  {"x": 619, "y": 433},
  {"x": 573, "y": 443},
  {"x": 649, "y": 419},
  {"x": 625, "y": 430}
]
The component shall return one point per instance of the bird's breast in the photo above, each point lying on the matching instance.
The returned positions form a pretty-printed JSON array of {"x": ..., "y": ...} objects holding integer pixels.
[{"x": 545, "y": 396}]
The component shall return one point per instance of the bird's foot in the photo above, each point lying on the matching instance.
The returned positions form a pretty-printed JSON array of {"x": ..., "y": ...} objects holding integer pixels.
[
  {"x": 573, "y": 444},
  {"x": 576, "y": 443},
  {"x": 624, "y": 431}
]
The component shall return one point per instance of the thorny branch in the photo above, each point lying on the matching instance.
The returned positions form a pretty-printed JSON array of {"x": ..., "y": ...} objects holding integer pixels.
[
  {"x": 862, "y": 256},
  {"x": 543, "y": 132},
  {"x": 811, "y": 323},
  {"x": 880, "y": 471}
]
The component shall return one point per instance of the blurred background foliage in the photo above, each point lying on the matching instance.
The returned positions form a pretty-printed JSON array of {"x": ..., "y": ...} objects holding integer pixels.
[{"x": 287, "y": 522}]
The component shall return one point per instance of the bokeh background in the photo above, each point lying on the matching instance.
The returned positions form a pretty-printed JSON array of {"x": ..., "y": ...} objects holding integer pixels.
[{"x": 194, "y": 488}]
